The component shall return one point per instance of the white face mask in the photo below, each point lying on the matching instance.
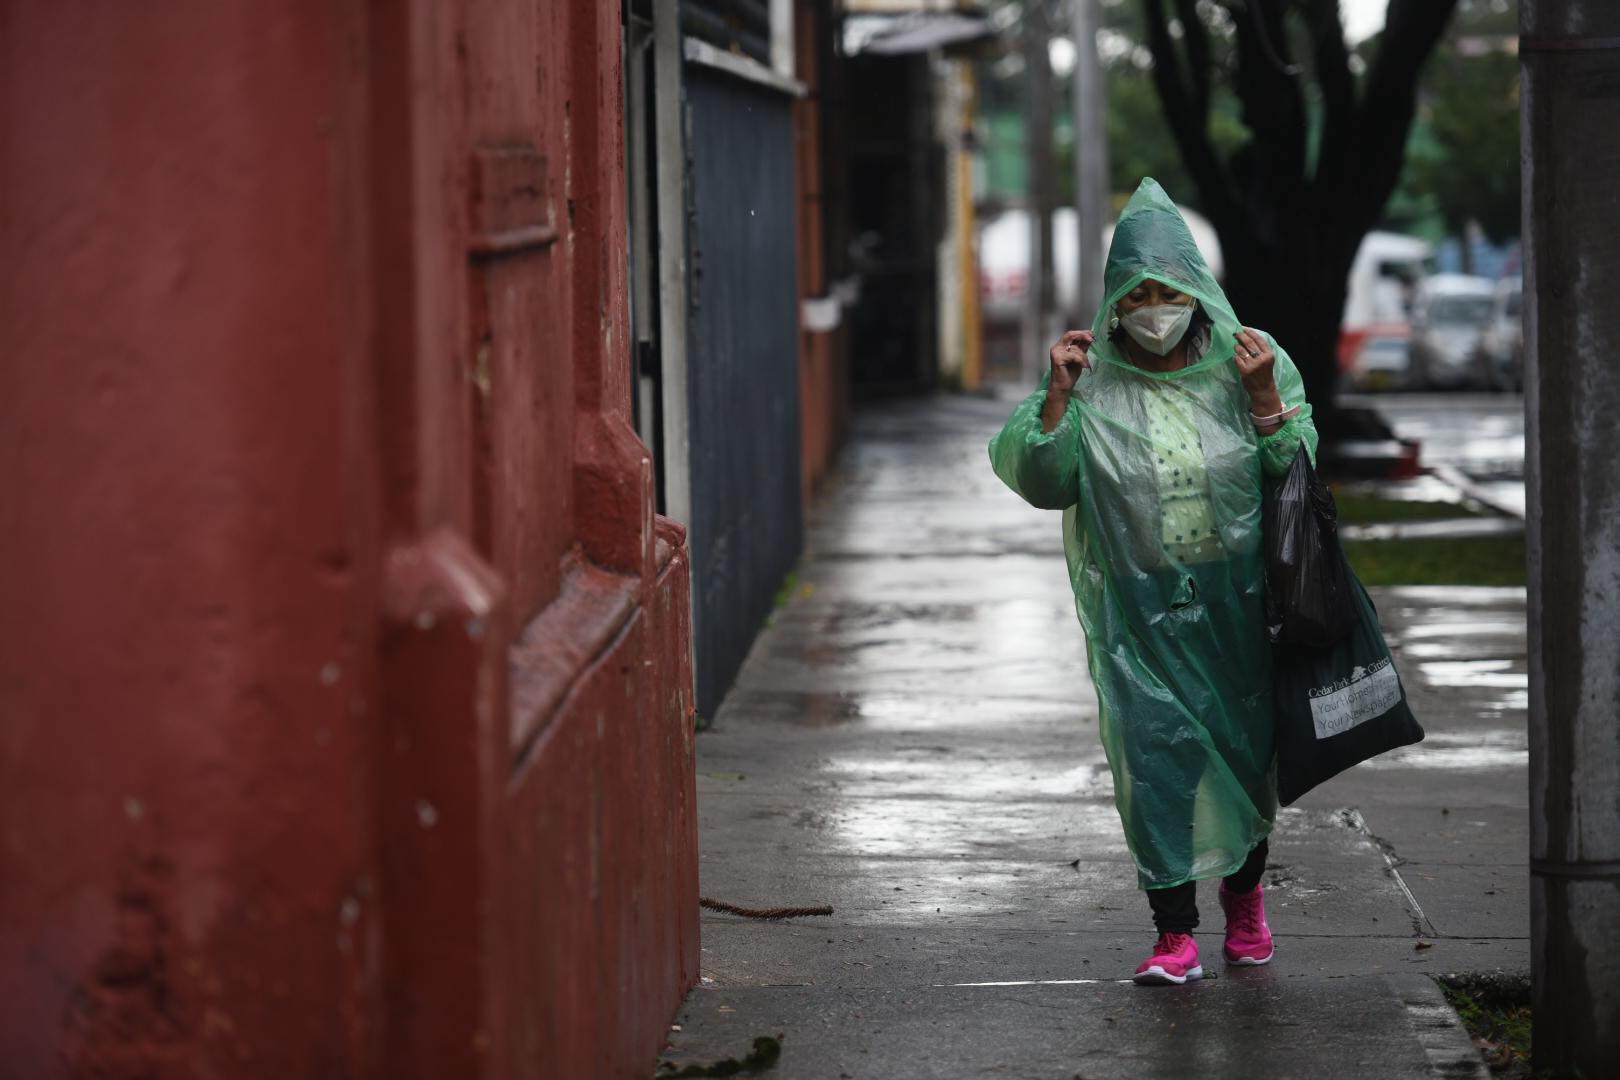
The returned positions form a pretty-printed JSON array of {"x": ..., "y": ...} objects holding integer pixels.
[{"x": 1158, "y": 328}]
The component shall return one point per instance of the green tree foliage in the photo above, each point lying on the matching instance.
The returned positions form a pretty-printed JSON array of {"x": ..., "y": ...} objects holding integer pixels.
[
  {"x": 1467, "y": 164},
  {"x": 1139, "y": 143},
  {"x": 1473, "y": 171},
  {"x": 1326, "y": 137}
]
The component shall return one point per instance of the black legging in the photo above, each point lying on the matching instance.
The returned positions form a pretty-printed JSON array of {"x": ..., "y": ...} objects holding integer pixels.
[{"x": 1175, "y": 910}]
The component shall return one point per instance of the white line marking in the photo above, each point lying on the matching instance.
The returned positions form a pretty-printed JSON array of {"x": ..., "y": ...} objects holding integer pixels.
[{"x": 1040, "y": 982}]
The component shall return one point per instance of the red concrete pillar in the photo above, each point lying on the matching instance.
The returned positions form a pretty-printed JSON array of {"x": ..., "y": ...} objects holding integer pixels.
[
  {"x": 187, "y": 671},
  {"x": 823, "y": 364},
  {"x": 345, "y": 677}
]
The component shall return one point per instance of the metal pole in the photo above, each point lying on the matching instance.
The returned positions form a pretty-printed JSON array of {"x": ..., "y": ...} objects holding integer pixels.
[
  {"x": 1042, "y": 186},
  {"x": 1090, "y": 158},
  {"x": 1570, "y": 111},
  {"x": 670, "y": 161},
  {"x": 968, "y": 244}
]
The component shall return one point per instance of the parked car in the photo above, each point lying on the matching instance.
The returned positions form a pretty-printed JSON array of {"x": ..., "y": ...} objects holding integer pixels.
[
  {"x": 1449, "y": 317},
  {"x": 1382, "y": 360},
  {"x": 1379, "y": 290},
  {"x": 1501, "y": 347}
]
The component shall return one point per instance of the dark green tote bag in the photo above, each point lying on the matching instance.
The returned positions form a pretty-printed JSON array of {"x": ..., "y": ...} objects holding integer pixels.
[{"x": 1338, "y": 706}]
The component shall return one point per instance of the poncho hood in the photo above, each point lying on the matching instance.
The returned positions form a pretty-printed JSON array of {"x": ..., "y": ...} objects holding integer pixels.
[{"x": 1152, "y": 240}]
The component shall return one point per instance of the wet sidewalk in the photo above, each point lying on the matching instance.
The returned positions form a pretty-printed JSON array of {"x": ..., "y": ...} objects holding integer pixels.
[{"x": 914, "y": 742}]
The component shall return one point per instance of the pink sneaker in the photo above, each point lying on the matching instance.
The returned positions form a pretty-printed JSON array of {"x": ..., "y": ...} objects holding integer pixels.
[
  {"x": 1248, "y": 938},
  {"x": 1174, "y": 961}
]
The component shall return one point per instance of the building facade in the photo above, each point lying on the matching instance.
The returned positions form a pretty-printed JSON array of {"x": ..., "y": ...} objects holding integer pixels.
[{"x": 346, "y": 677}]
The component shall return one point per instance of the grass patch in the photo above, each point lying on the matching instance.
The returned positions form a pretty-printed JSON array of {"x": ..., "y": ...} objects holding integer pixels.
[
  {"x": 1474, "y": 560},
  {"x": 1496, "y": 1011},
  {"x": 784, "y": 594},
  {"x": 1360, "y": 509}
]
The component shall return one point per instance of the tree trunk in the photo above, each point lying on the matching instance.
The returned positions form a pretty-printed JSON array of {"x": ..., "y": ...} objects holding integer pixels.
[
  {"x": 1290, "y": 220},
  {"x": 1294, "y": 287}
]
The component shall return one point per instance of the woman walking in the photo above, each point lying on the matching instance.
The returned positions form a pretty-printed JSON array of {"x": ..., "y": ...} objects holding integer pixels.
[{"x": 1152, "y": 432}]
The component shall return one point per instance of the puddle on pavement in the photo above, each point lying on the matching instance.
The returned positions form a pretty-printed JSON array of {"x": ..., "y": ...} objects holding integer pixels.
[
  {"x": 950, "y": 828},
  {"x": 1471, "y": 628},
  {"x": 1435, "y": 650},
  {"x": 966, "y": 777},
  {"x": 880, "y": 711},
  {"x": 1417, "y": 489},
  {"x": 1489, "y": 674},
  {"x": 1457, "y": 596},
  {"x": 1454, "y": 750}
]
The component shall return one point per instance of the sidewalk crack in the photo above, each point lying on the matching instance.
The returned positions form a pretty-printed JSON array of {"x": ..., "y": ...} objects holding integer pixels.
[{"x": 1421, "y": 924}]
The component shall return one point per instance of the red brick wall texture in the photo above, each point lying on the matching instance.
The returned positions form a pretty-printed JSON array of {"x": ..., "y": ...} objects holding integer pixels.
[{"x": 345, "y": 669}]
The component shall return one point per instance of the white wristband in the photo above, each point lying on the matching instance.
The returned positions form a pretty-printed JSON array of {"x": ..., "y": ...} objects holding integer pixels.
[{"x": 1285, "y": 416}]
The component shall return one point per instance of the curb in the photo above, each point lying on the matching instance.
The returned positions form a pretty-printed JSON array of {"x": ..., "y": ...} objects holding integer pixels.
[
  {"x": 1438, "y": 1028},
  {"x": 1460, "y": 482}
]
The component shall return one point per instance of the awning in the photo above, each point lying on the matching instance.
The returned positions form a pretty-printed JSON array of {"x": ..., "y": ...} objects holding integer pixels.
[{"x": 899, "y": 35}]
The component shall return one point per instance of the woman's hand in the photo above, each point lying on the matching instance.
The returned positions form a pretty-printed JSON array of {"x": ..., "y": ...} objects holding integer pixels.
[
  {"x": 1069, "y": 359},
  {"x": 1255, "y": 360}
]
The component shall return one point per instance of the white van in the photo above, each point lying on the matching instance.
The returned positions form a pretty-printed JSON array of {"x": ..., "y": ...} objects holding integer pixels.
[{"x": 1379, "y": 292}]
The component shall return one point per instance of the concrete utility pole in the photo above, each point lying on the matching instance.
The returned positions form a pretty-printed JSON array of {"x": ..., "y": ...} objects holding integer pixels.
[
  {"x": 1090, "y": 157},
  {"x": 1570, "y": 110},
  {"x": 1041, "y": 292}
]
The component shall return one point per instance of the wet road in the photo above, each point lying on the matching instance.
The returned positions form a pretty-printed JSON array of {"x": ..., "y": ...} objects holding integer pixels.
[
  {"x": 914, "y": 741},
  {"x": 1479, "y": 435}
]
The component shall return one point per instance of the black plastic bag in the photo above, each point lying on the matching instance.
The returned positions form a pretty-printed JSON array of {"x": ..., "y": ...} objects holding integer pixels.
[
  {"x": 1308, "y": 596},
  {"x": 1338, "y": 707}
]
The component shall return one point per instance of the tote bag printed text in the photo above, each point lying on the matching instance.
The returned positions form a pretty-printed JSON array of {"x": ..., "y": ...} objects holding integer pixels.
[{"x": 1363, "y": 694}]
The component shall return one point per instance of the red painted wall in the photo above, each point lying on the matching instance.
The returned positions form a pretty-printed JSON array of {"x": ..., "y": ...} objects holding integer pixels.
[{"x": 345, "y": 680}]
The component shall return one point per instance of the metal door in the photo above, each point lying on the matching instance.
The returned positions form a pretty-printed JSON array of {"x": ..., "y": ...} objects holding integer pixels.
[{"x": 743, "y": 366}]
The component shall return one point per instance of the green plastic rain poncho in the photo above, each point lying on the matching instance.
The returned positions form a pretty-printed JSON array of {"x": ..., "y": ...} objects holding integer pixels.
[{"x": 1159, "y": 480}]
